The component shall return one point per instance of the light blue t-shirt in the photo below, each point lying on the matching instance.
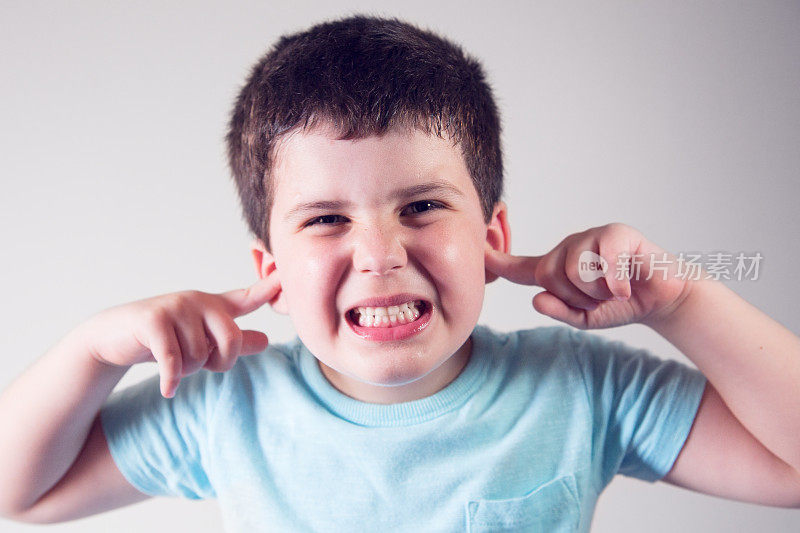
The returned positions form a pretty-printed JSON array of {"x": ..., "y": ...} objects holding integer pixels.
[{"x": 524, "y": 439}]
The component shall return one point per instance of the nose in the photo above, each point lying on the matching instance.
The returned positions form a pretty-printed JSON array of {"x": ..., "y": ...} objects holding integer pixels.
[{"x": 378, "y": 250}]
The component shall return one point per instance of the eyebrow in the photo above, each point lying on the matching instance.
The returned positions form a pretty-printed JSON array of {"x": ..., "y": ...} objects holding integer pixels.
[{"x": 436, "y": 186}]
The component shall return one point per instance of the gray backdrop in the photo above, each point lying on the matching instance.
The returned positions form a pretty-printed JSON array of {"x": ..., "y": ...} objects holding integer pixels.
[{"x": 681, "y": 119}]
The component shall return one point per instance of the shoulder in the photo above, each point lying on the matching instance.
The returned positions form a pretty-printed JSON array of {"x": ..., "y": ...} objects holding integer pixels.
[
  {"x": 541, "y": 343},
  {"x": 279, "y": 354},
  {"x": 559, "y": 343},
  {"x": 273, "y": 372},
  {"x": 598, "y": 353},
  {"x": 565, "y": 353},
  {"x": 543, "y": 352},
  {"x": 521, "y": 338}
]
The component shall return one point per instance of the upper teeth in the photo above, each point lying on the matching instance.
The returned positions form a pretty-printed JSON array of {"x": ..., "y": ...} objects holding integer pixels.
[
  {"x": 388, "y": 316},
  {"x": 407, "y": 308}
]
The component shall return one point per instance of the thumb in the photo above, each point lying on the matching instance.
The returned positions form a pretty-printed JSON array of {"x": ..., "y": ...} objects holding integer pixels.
[
  {"x": 551, "y": 305},
  {"x": 253, "y": 342}
]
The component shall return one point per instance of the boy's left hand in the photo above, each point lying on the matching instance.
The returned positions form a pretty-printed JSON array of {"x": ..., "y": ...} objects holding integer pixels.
[{"x": 613, "y": 298}]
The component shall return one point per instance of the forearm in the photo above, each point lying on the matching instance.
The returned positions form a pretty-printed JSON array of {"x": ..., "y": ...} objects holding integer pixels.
[
  {"x": 46, "y": 414},
  {"x": 752, "y": 361}
]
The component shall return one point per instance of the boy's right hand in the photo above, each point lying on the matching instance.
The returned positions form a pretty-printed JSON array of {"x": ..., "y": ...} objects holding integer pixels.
[{"x": 182, "y": 331}]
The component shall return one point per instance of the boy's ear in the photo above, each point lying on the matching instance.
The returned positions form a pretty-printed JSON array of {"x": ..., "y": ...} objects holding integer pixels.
[
  {"x": 265, "y": 265},
  {"x": 498, "y": 234}
]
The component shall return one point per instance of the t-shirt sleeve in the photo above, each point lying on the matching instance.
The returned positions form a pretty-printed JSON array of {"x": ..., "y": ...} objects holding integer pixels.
[
  {"x": 643, "y": 407},
  {"x": 161, "y": 444}
]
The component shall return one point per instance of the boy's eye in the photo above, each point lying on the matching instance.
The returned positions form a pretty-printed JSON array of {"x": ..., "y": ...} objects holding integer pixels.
[
  {"x": 322, "y": 218},
  {"x": 427, "y": 205},
  {"x": 421, "y": 206}
]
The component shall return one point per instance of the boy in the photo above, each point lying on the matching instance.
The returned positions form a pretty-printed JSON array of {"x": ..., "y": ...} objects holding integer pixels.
[{"x": 367, "y": 158}]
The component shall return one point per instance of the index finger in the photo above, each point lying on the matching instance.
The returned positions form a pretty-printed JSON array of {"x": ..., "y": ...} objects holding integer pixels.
[
  {"x": 516, "y": 268},
  {"x": 242, "y": 301}
]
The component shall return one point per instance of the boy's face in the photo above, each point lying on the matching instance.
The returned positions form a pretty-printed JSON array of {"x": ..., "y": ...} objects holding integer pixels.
[{"x": 379, "y": 243}]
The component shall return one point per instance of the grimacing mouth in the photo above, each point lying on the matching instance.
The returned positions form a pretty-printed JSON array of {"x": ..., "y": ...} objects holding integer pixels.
[{"x": 422, "y": 305}]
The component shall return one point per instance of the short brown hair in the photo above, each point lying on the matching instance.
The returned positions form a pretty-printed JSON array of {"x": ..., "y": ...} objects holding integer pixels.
[{"x": 362, "y": 75}]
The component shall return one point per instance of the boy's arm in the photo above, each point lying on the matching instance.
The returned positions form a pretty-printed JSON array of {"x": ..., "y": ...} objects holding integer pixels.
[
  {"x": 745, "y": 440},
  {"x": 47, "y": 412},
  {"x": 49, "y": 470}
]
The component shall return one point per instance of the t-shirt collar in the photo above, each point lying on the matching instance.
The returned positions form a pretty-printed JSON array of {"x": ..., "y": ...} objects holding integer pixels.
[{"x": 452, "y": 396}]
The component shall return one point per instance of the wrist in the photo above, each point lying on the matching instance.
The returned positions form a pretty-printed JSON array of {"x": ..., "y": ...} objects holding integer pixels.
[
  {"x": 79, "y": 344},
  {"x": 671, "y": 313}
]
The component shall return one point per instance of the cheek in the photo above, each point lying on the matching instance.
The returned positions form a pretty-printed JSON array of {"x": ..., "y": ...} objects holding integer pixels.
[
  {"x": 309, "y": 278},
  {"x": 454, "y": 257},
  {"x": 462, "y": 253},
  {"x": 459, "y": 264}
]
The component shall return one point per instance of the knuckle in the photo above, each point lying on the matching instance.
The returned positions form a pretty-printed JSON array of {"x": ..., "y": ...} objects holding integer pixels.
[
  {"x": 218, "y": 364},
  {"x": 611, "y": 230},
  {"x": 155, "y": 317},
  {"x": 200, "y": 349},
  {"x": 181, "y": 302},
  {"x": 617, "y": 228},
  {"x": 190, "y": 367},
  {"x": 188, "y": 295},
  {"x": 572, "y": 273},
  {"x": 170, "y": 361},
  {"x": 608, "y": 257},
  {"x": 211, "y": 365},
  {"x": 544, "y": 274}
]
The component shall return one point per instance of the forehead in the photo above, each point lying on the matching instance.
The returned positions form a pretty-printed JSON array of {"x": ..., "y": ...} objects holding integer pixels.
[{"x": 315, "y": 161}]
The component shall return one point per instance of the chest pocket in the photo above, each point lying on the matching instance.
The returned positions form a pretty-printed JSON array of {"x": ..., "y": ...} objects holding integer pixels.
[{"x": 551, "y": 507}]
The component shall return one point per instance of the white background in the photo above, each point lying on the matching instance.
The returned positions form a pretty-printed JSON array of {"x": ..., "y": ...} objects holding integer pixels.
[{"x": 681, "y": 119}]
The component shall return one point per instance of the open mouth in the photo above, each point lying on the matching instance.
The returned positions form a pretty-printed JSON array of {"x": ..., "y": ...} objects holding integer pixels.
[
  {"x": 397, "y": 324},
  {"x": 389, "y": 317}
]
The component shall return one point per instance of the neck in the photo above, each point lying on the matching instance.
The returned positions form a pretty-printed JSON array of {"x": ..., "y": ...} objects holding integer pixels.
[{"x": 428, "y": 385}]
